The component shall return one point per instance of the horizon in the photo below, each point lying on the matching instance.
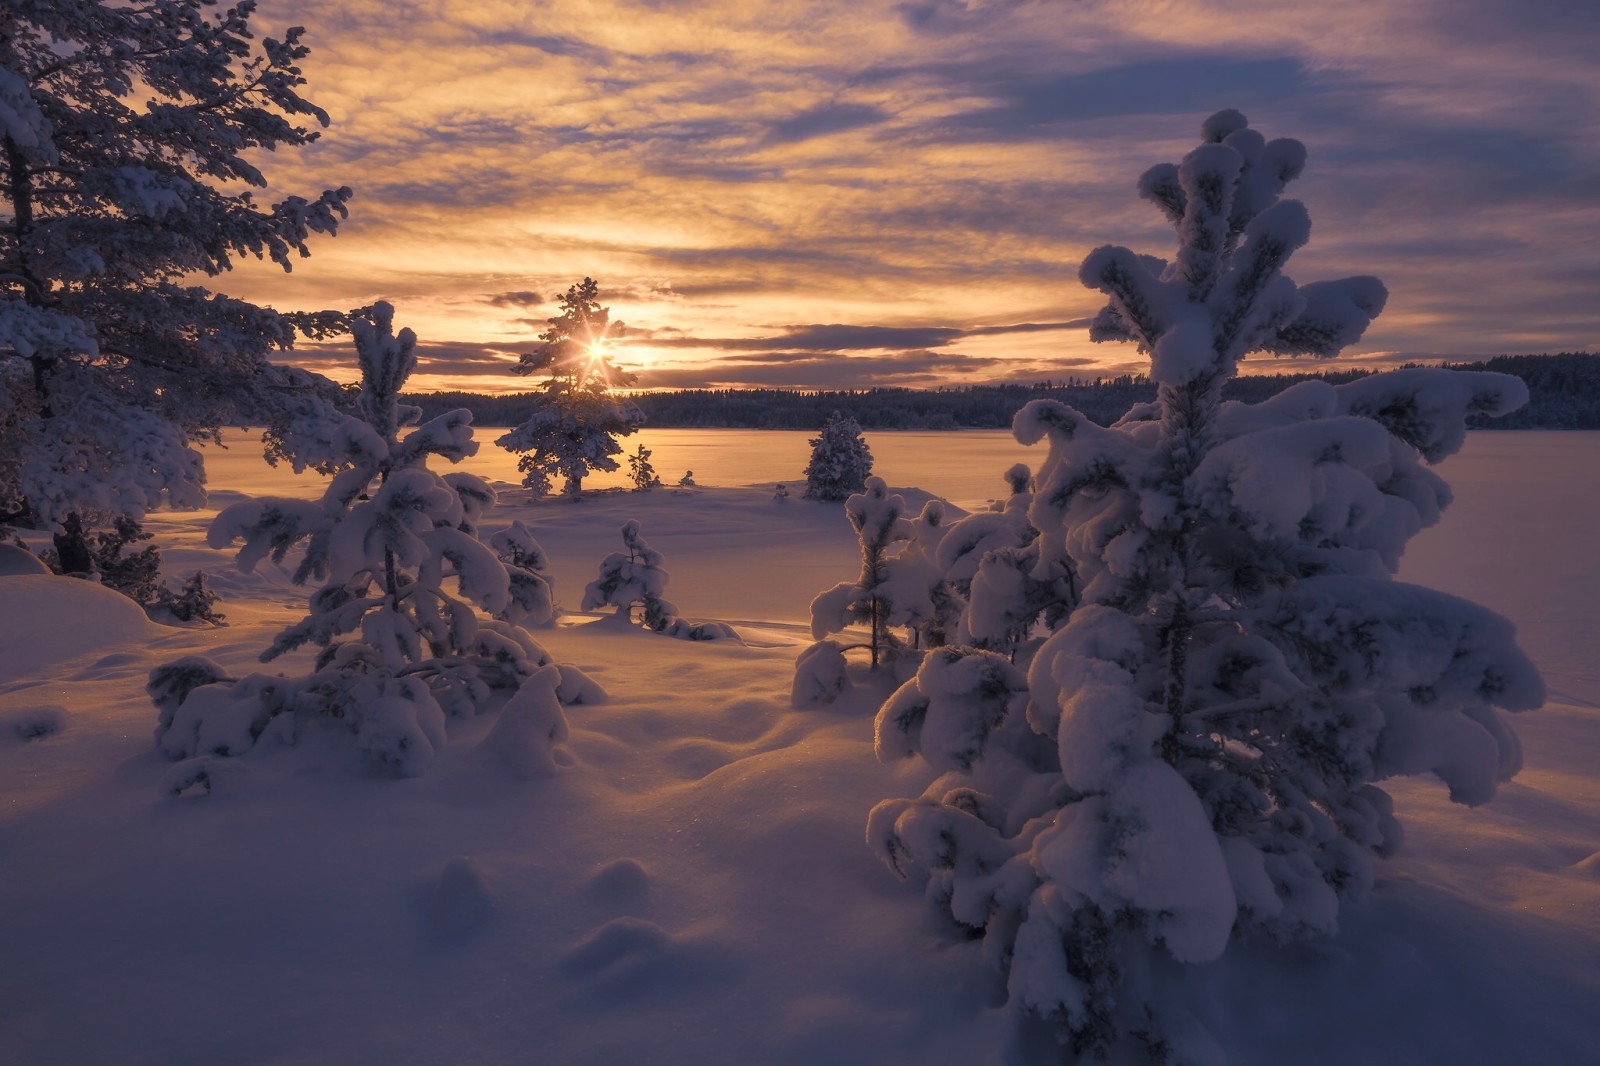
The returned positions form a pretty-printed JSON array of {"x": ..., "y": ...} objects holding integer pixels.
[{"x": 898, "y": 194}]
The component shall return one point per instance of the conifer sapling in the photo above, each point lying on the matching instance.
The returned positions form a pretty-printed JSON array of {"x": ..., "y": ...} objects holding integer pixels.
[{"x": 403, "y": 579}]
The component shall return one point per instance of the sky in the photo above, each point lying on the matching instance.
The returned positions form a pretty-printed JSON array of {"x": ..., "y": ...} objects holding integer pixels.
[{"x": 858, "y": 193}]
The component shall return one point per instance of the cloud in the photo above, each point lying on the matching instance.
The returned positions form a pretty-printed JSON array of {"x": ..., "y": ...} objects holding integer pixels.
[
  {"x": 520, "y": 298},
  {"x": 825, "y": 119},
  {"x": 1172, "y": 85},
  {"x": 551, "y": 44},
  {"x": 811, "y": 370},
  {"x": 837, "y": 337},
  {"x": 928, "y": 167}
]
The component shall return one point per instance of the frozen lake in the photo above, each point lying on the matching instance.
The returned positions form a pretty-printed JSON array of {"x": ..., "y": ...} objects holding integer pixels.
[
  {"x": 1526, "y": 502},
  {"x": 963, "y": 467}
]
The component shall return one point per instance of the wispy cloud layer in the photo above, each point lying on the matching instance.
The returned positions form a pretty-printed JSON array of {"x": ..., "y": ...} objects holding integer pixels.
[{"x": 914, "y": 179}]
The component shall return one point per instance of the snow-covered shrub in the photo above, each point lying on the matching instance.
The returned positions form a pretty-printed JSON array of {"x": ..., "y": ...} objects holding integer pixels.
[
  {"x": 1196, "y": 755},
  {"x": 403, "y": 579},
  {"x": 630, "y": 579},
  {"x": 193, "y": 602},
  {"x": 528, "y": 568},
  {"x": 575, "y": 424},
  {"x": 133, "y": 573},
  {"x": 899, "y": 587},
  {"x": 635, "y": 579},
  {"x": 687, "y": 480},
  {"x": 105, "y": 554},
  {"x": 640, "y": 472},
  {"x": 990, "y": 564},
  {"x": 781, "y": 493},
  {"x": 840, "y": 460}
]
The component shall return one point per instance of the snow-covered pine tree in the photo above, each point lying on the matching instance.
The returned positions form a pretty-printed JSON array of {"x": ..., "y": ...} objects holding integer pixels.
[
  {"x": 840, "y": 460},
  {"x": 400, "y": 650},
  {"x": 900, "y": 587},
  {"x": 130, "y": 134},
  {"x": 1196, "y": 754},
  {"x": 641, "y": 472},
  {"x": 636, "y": 579},
  {"x": 632, "y": 578},
  {"x": 193, "y": 602},
  {"x": 575, "y": 424}
]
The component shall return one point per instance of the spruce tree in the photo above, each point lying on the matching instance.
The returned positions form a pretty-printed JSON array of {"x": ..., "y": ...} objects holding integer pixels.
[
  {"x": 128, "y": 134},
  {"x": 641, "y": 472},
  {"x": 1196, "y": 751},
  {"x": 840, "y": 460},
  {"x": 636, "y": 578},
  {"x": 576, "y": 421}
]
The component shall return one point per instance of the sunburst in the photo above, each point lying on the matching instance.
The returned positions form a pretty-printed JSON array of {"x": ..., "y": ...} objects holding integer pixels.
[{"x": 595, "y": 347}]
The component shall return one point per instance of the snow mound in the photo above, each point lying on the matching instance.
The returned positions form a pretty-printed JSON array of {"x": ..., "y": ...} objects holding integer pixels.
[
  {"x": 629, "y": 958},
  {"x": 46, "y": 620},
  {"x": 460, "y": 903},
  {"x": 18, "y": 562}
]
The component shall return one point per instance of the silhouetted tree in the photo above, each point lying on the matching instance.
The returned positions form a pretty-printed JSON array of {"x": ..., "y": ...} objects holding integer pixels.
[{"x": 576, "y": 419}]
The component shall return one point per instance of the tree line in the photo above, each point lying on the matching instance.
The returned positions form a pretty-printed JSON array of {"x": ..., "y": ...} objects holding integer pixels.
[{"x": 1564, "y": 390}]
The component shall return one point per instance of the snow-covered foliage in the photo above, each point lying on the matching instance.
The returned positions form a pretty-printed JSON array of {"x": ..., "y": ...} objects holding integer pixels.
[
  {"x": 840, "y": 460},
  {"x": 1195, "y": 752},
  {"x": 635, "y": 578},
  {"x": 1002, "y": 597},
  {"x": 130, "y": 132},
  {"x": 193, "y": 602},
  {"x": 927, "y": 582},
  {"x": 528, "y": 568},
  {"x": 896, "y": 587},
  {"x": 107, "y": 556},
  {"x": 575, "y": 425},
  {"x": 401, "y": 647}
]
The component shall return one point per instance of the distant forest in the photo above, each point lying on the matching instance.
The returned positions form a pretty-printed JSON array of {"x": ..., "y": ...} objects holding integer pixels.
[{"x": 1564, "y": 394}]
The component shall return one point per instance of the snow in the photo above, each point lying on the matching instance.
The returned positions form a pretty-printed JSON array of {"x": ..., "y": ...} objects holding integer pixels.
[{"x": 682, "y": 878}]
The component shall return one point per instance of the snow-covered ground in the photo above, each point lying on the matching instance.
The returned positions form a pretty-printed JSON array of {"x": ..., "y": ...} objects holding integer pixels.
[{"x": 693, "y": 885}]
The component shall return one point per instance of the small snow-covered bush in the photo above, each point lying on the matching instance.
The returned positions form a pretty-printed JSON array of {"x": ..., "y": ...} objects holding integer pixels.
[
  {"x": 840, "y": 460},
  {"x": 404, "y": 579},
  {"x": 193, "y": 602},
  {"x": 635, "y": 579},
  {"x": 1229, "y": 668},
  {"x": 898, "y": 580}
]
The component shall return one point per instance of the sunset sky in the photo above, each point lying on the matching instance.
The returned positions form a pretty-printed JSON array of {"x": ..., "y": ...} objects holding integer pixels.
[{"x": 855, "y": 193}]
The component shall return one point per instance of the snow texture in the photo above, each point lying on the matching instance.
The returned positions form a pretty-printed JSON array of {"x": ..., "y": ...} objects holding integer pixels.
[{"x": 692, "y": 886}]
